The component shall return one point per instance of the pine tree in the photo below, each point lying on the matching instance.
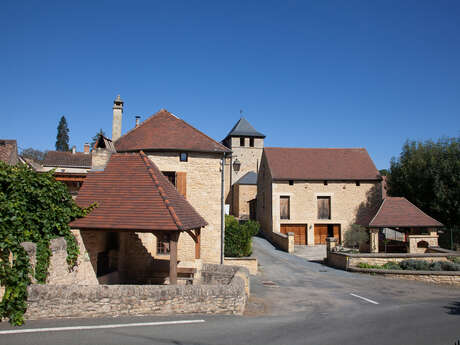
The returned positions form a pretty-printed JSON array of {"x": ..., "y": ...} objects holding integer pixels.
[{"x": 62, "y": 137}]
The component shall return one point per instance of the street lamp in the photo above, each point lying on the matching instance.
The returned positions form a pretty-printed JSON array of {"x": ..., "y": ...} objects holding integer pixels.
[{"x": 236, "y": 165}]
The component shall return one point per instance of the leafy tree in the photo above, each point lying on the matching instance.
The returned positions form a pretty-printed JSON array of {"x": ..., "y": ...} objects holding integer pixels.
[
  {"x": 34, "y": 207},
  {"x": 383, "y": 172},
  {"x": 62, "y": 137},
  {"x": 238, "y": 237},
  {"x": 34, "y": 154},
  {"x": 428, "y": 174},
  {"x": 355, "y": 236},
  {"x": 94, "y": 139}
]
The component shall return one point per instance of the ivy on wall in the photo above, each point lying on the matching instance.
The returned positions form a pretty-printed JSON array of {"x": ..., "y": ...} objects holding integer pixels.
[{"x": 34, "y": 207}]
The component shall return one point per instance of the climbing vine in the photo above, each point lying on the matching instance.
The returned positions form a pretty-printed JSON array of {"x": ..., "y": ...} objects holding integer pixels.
[{"x": 34, "y": 207}]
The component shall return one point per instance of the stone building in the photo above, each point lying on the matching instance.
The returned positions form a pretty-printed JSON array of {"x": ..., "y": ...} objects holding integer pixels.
[
  {"x": 70, "y": 167},
  {"x": 9, "y": 151},
  {"x": 246, "y": 145},
  {"x": 315, "y": 193},
  {"x": 192, "y": 162}
]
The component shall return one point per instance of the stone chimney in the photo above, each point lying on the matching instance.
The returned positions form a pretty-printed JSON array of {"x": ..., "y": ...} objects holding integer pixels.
[
  {"x": 117, "y": 115},
  {"x": 137, "y": 120},
  {"x": 99, "y": 159},
  {"x": 86, "y": 148}
]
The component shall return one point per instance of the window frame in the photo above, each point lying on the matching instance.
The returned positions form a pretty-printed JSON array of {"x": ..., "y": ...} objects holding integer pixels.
[
  {"x": 185, "y": 155},
  {"x": 162, "y": 247},
  {"x": 288, "y": 198}
]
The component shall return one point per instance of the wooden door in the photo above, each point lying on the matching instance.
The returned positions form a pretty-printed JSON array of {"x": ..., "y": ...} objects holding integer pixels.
[
  {"x": 299, "y": 230},
  {"x": 320, "y": 233}
]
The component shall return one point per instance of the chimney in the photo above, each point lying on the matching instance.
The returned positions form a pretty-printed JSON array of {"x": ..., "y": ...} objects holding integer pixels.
[
  {"x": 86, "y": 148},
  {"x": 117, "y": 115},
  {"x": 137, "y": 120},
  {"x": 74, "y": 149}
]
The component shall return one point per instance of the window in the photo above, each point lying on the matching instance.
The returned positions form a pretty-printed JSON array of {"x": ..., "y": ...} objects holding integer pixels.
[
  {"x": 241, "y": 141},
  {"x": 324, "y": 207},
  {"x": 325, "y": 183},
  {"x": 183, "y": 157},
  {"x": 358, "y": 183},
  {"x": 251, "y": 142},
  {"x": 163, "y": 244},
  {"x": 291, "y": 182},
  {"x": 171, "y": 175},
  {"x": 284, "y": 207}
]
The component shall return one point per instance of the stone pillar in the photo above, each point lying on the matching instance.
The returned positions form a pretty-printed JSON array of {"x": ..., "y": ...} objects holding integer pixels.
[
  {"x": 117, "y": 115},
  {"x": 374, "y": 240},
  {"x": 331, "y": 243},
  {"x": 174, "y": 237}
]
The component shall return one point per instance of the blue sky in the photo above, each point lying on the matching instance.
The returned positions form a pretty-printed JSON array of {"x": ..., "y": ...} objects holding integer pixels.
[{"x": 305, "y": 73}]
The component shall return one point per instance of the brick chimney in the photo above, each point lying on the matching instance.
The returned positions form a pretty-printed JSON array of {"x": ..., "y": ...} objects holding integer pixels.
[
  {"x": 117, "y": 115},
  {"x": 86, "y": 148},
  {"x": 137, "y": 120},
  {"x": 74, "y": 149}
]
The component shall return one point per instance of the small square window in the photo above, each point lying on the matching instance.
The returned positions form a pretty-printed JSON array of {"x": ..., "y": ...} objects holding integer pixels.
[
  {"x": 325, "y": 183},
  {"x": 358, "y": 183},
  {"x": 241, "y": 141},
  {"x": 251, "y": 142},
  {"x": 291, "y": 182},
  {"x": 184, "y": 157},
  {"x": 163, "y": 244}
]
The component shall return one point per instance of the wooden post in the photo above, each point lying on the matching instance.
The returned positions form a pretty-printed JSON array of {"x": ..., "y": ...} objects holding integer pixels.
[
  {"x": 198, "y": 244},
  {"x": 374, "y": 240},
  {"x": 174, "y": 237}
]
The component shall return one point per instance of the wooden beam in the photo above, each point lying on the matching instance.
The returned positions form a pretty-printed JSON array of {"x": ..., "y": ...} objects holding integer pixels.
[
  {"x": 198, "y": 244},
  {"x": 174, "y": 237}
]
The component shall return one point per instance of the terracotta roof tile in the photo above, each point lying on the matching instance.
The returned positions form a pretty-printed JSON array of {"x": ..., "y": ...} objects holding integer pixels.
[
  {"x": 400, "y": 212},
  {"x": 164, "y": 131},
  {"x": 133, "y": 194},
  {"x": 67, "y": 159},
  {"x": 320, "y": 164},
  {"x": 8, "y": 151}
]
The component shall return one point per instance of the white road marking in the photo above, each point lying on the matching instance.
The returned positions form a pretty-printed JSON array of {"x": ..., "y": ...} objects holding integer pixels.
[
  {"x": 365, "y": 299},
  {"x": 79, "y": 328}
]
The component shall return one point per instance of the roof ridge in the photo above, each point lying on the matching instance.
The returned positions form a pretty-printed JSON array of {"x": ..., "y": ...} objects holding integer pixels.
[
  {"x": 163, "y": 195},
  {"x": 315, "y": 148},
  {"x": 143, "y": 123},
  {"x": 376, "y": 213}
]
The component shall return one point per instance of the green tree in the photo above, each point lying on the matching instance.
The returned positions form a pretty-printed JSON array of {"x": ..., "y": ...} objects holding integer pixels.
[
  {"x": 62, "y": 137},
  {"x": 34, "y": 207},
  {"x": 428, "y": 174},
  {"x": 94, "y": 139},
  {"x": 238, "y": 237}
]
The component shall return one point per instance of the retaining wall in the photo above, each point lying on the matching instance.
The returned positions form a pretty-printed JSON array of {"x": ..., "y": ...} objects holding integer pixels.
[
  {"x": 283, "y": 241},
  {"x": 248, "y": 262},
  {"x": 225, "y": 290}
]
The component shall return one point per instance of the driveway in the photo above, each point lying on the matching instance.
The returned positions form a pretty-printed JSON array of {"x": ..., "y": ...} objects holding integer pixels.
[{"x": 293, "y": 301}]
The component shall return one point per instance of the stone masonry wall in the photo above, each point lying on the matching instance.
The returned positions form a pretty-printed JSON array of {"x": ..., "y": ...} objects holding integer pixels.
[
  {"x": 347, "y": 200},
  {"x": 243, "y": 194},
  {"x": 67, "y": 301},
  {"x": 249, "y": 157},
  {"x": 264, "y": 199},
  {"x": 204, "y": 194}
]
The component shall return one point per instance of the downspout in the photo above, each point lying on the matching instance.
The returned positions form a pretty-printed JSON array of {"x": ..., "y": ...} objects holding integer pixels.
[{"x": 222, "y": 206}]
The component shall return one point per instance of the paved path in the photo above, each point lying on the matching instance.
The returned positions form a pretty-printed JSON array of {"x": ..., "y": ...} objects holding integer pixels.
[{"x": 293, "y": 301}]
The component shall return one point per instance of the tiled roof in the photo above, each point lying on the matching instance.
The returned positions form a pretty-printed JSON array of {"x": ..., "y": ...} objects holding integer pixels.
[
  {"x": 320, "y": 164},
  {"x": 8, "y": 151},
  {"x": 400, "y": 212},
  {"x": 67, "y": 159},
  {"x": 132, "y": 194},
  {"x": 249, "y": 178},
  {"x": 164, "y": 131},
  {"x": 244, "y": 128}
]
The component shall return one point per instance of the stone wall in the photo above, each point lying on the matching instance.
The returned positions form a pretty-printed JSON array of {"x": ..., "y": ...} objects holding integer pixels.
[
  {"x": 242, "y": 195},
  {"x": 347, "y": 261},
  {"x": 445, "y": 278},
  {"x": 283, "y": 241},
  {"x": 249, "y": 157},
  {"x": 203, "y": 185},
  {"x": 225, "y": 293},
  {"x": 264, "y": 199},
  {"x": 248, "y": 262}
]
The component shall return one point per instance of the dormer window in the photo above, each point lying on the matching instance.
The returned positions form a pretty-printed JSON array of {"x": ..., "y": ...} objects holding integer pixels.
[{"x": 242, "y": 142}]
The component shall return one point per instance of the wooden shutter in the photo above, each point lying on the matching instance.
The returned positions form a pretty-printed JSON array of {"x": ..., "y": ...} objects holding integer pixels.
[
  {"x": 284, "y": 207},
  {"x": 324, "y": 211},
  {"x": 181, "y": 183}
]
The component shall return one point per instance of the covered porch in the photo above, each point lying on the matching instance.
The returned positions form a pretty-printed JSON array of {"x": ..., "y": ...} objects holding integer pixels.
[{"x": 413, "y": 230}]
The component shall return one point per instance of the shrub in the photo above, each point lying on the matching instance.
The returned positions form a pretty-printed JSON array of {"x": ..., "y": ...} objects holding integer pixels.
[
  {"x": 417, "y": 265},
  {"x": 391, "y": 265},
  {"x": 454, "y": 259},
  {"x": 238, "y": 237},
  {"x": 449, "y": 266},
  {"x": 355, "y": 235}
]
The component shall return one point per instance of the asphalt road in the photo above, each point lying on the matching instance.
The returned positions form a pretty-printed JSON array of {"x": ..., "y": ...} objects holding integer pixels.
[{"x": 293, "y": 302}]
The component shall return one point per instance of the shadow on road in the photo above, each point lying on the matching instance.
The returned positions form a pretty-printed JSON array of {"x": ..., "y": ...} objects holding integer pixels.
[{"x": 453, "y": 308}]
